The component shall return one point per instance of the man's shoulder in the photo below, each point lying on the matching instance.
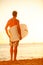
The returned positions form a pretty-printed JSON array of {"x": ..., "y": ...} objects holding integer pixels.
[{"x": 10, "y": 19}]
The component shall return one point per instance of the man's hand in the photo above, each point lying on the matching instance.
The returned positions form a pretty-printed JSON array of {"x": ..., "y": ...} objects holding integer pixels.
[
  {"x": 9, "y": 34},
  {"x": 20, "y": 37}
]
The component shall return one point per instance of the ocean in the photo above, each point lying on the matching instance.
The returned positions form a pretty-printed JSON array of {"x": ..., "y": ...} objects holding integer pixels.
[{"x": 25, "y": 51}]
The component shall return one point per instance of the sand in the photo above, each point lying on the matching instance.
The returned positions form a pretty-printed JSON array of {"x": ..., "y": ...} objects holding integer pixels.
[{"x": 23, "y": 62}]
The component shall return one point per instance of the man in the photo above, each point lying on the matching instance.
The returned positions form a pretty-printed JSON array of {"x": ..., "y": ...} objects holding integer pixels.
[{"x": 13, "y": 22}]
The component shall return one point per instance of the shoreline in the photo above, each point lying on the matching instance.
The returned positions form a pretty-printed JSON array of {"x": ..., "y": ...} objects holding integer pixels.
[{"x": 38, "y": 61}]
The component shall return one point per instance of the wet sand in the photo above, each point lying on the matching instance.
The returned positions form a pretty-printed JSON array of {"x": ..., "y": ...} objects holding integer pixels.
[{"x": 38, "y": 61}]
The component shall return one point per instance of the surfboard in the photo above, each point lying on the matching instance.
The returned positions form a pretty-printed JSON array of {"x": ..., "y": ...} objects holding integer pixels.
[
  {"x": 24, "y": 30},
  {"x": 14, "y": 36}
]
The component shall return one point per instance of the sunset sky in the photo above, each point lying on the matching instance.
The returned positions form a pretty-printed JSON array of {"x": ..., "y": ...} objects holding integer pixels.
[{"x": 30, "y": 12}]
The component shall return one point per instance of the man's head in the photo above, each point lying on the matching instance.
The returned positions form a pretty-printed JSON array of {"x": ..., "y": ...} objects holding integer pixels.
[{"x": 14, "y": 13}]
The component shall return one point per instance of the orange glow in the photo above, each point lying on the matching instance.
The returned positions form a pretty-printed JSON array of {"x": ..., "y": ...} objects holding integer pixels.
[{"x": 30, "y": 12}]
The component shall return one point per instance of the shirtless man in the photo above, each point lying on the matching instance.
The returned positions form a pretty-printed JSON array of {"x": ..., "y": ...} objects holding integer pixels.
[{"x": 13, "y": 22}]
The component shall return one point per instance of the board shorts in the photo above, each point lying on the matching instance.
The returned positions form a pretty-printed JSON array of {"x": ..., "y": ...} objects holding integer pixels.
[{"x": 14, "y": 43}]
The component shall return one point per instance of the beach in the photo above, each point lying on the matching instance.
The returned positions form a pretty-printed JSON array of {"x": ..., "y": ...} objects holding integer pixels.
[
  {"x": 38, "y": 61},
  {"x": 25, "y": 51},
  {"x": 28, "y": 54}
]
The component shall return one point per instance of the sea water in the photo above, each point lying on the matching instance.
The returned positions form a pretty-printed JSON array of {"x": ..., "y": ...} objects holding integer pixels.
[{"x": 25, "y": 51}]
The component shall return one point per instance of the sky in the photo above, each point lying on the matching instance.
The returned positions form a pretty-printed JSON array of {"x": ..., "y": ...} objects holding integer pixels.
[{"x": 30, "y": 12}]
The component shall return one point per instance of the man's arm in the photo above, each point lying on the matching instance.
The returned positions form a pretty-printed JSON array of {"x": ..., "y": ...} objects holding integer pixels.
[
  {"x": 6, "y": 29},
  {"x": 19, "y": 30}
]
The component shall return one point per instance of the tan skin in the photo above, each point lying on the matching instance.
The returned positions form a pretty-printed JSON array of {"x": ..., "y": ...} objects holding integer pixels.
[{"x": 11, "y": 46}]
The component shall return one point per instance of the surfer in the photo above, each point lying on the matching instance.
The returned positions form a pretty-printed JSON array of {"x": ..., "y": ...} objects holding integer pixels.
[{"x": 13, "y": 44}]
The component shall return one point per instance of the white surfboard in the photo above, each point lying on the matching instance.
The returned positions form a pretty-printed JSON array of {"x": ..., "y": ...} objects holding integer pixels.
[
  {"x": 14, "y": 36},
  {"x": 24, "y": 30}
]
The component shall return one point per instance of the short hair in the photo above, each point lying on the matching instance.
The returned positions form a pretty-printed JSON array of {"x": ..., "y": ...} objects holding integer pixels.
[{"x": 14, "y": 13}]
